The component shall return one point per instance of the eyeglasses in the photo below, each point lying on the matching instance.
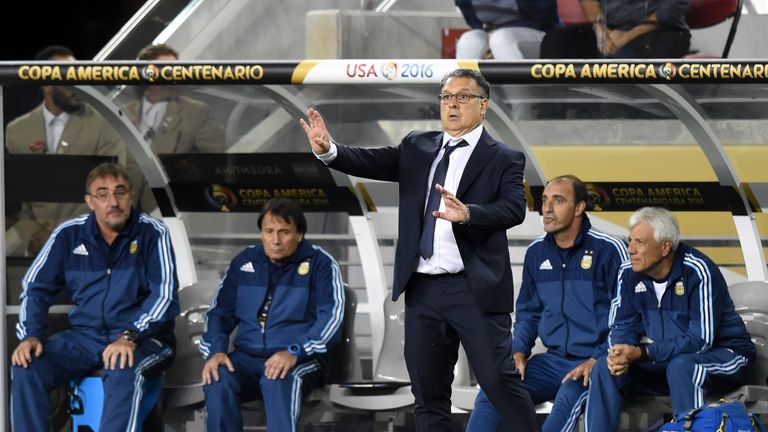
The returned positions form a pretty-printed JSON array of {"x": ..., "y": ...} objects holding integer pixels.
[
  {"x": 462, "y": 98},
  {"x": 103, "y": 196}
]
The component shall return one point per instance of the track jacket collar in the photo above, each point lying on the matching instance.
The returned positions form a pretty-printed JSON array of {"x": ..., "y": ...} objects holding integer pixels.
[
  {"x": 303, "y": 251},
  {"x": 131, "y": 225}
]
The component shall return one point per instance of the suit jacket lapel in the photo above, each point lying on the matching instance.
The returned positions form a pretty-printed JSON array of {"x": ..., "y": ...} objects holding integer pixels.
[
  {"x": 172, "y": 116},
  {"x": 36, "y": 134},
  {"x": 163, "y": 141},
  {"x": 133, "y": 112},
  {"x": 482, "y": 153},
  {"x": 70, "y": 133}
]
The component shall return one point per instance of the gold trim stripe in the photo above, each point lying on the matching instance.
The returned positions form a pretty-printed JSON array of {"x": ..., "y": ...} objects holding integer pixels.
[
  {"x": 301, "y": 71},
  {"x": 469, "y": 64}
]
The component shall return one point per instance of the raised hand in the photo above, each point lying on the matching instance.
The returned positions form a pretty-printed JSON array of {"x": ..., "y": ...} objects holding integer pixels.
[
  {"x": 455, "y": 210},
  {"x": 316, "y": 131}
]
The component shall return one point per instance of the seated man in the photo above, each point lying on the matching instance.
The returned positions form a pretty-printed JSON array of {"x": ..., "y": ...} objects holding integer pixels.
[
  {"x": 287, "y": 297},
  {"x": 674, "y": 329},
  {"x": 118, "y": 267},
  {"x": 623, "y": 29},
  {"x": 569, "y": 279},
  {"x": 504, "y": 27}
]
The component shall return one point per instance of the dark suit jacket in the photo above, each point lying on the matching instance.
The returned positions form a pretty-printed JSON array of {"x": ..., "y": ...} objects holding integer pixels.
[{"x": 492, "y": 185}]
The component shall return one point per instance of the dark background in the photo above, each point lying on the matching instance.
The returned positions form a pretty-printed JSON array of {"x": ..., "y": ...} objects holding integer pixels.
[
  {"x": 85, "y": 26},
  {"x": 28, "y": 26}
]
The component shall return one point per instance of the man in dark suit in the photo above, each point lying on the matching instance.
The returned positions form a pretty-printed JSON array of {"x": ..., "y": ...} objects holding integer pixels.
[{"x": 452, "y": 259}]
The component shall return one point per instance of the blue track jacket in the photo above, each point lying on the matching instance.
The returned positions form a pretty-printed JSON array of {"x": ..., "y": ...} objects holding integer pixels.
[
  {"x": 696, "y": 311},
  {"x": 566, "y": 294},
  {"x": 131, "y": 285},
  {"x": 307, "y": 307}
]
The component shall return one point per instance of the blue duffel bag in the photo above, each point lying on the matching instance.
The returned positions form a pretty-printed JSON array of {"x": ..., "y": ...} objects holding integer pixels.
[{"x": 721, "y": 416}]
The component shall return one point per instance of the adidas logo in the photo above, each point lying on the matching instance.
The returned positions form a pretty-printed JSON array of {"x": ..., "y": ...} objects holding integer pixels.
[
  {"x": 546, "y": 265},
  {"x": 247, "y": 267},
  {"x": 80, "y": 250},
  {"x": 640, "y": 287}
]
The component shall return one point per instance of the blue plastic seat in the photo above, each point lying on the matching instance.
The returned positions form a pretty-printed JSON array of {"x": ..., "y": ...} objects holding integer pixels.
[{"x": 86, "y": 399}]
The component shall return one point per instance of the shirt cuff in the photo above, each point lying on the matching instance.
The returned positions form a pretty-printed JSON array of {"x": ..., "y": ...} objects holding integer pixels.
[{"x": 328, "y": 157}]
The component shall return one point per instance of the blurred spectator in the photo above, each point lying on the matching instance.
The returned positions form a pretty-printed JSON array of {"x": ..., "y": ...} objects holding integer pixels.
[
  {"x": 623, "y": 29},
  {"x": 173, "y": 123},
  {"x": 510, "y": 29},
  {"x": 69, "y": 127}
]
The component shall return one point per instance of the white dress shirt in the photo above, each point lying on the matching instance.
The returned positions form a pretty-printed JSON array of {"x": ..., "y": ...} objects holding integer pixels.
[
  {"x": 446, "y": 257},
  {"x": 54, "y": 128},
  {"x": 151, "y": 117}
]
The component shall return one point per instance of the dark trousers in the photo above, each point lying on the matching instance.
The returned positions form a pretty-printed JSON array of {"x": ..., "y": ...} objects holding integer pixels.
[
  {"x": 686, "y": 378},
  {"x": 440, "y": 312},
  {"x": 282, "y": 397},
  {"x": 580, "y": 42}
]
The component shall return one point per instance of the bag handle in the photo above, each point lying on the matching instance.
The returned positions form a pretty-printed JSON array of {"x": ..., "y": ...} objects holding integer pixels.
[
  {"x": 689, "y": 418},
  {"x": 756, "y": 422}
]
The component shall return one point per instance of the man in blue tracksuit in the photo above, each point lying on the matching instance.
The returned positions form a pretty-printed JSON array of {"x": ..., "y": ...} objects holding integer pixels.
[
  {"x": 287, "y": 297},
  {"x": 569, "y": 279},
  {"x": 119, "y": 269},
  {"x": 674, "y": 329}
]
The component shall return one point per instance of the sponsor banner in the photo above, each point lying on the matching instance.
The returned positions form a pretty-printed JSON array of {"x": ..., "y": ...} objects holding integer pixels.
[
  {"x": 264, "y": 168},
  {"x": 244, "y": 182},
  {"x": 136, "y": 72},
  {"x": 674, "y": 196},
  {"x": 307, "y": 72},
  {"x": 250, "y": 198},
  {"x": 380, "y": 71},
  {"x": 662, "y": 71}
]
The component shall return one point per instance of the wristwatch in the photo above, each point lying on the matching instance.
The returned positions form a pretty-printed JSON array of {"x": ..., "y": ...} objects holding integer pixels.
[
  {"x": 294, "y": 349},
  {"x": 645, "y": 353},
  {"x": 131, "y": 336}
]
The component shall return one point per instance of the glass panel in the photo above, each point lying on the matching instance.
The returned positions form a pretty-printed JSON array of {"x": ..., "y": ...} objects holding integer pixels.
[
  {"x": 226, "y": 149},
  {"x": 636, "y": 150},
  {"x": 738, "y": 115}
]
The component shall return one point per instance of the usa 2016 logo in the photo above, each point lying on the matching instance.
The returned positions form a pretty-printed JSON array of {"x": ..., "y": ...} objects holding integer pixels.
[{"x": 389, "y": 70}]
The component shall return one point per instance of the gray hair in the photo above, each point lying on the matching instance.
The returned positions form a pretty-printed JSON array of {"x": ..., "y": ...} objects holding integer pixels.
[
  {"x": 664, "y": 224},
  {"x": 482, "y": 83}
]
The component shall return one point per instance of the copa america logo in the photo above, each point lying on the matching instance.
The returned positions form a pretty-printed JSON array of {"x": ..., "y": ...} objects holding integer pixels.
[
  {"x": 668, "y": 71},
  {"x": 150, "y": 73},
  {"x": 389, "y": 70},
  {"x": 598, "y": 197},
  {"x": 220, "y": 198}
]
